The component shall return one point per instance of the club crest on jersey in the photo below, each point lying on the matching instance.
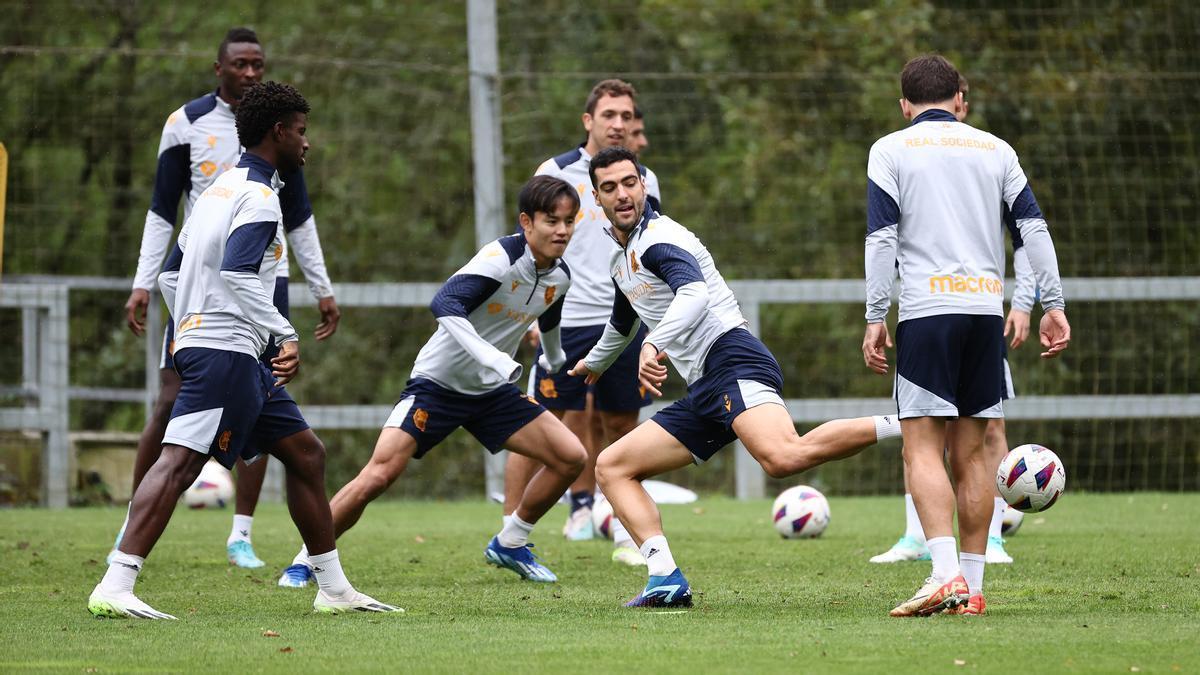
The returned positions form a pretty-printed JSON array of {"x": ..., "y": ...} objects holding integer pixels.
[
  {"x": 208, "y": 168},
  {"x": 223, "y": 441},
  {"x": 550, "y": 294},
  {"x": 516, "y": 284},
  {"x": 633, "y": 266},
  {"x": 420, "y": 417},
  {"x": 546, "y": 387},
  {"x": 278, "y": 251}
]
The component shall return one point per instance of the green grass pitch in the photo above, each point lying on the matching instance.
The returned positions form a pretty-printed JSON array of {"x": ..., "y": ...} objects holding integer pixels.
[{"x": 1101, "y": 583}]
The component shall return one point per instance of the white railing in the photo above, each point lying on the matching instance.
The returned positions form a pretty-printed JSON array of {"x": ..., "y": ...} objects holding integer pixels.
[{"x": 44, "y": 303}]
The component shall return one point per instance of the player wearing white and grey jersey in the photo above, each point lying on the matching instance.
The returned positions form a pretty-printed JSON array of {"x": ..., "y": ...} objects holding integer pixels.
[
  {"x": 664, "y": 276},
  {"x": 464, "y": 375},
  {"x": 936, "y": 198}
]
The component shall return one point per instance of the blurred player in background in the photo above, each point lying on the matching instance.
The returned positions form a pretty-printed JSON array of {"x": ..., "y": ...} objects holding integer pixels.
[
  {"x": 199, "y": 143},
  {"x": 911, "y": 546},
  {"x": 936, "y": 194},
  {"x": 616, "y": 400},
  {"x": 465, "y": 374},
  {"x": 668, "y": 280},
  {"x": 219, "y": 282}
]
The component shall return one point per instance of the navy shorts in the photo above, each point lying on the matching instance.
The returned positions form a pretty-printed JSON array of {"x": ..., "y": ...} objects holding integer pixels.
[
  {"x": 228, "y": 406},
  {"x": 616, "y": 391},
  {"x": 429, "y": 412},
  {"x": 739, "y": 374},
  {"x": 950, "y": 365},
  {"x": 166, "y": 362}
]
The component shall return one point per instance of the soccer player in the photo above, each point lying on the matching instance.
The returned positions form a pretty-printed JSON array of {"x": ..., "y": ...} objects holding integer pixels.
[
  {"x": 936, "y": 194},
  {"x": 911, "y": 546},
  {"x": 608, "y": 114},
  {"x": 218, "y": 283},
  {"x": 637, "y": 141},
  {"x": 667, "y": 279},
  {"x": 199, "y": 143},
  {"x": 464, "y": 375}
]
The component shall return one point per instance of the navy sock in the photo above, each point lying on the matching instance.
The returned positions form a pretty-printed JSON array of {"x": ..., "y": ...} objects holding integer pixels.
[{"x": 581, "y": 500}]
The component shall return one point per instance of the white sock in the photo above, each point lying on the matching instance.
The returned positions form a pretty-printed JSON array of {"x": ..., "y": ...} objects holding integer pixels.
[
  {"x": 621, "y": 536},
  {"x": 330, "y": 577},
  {"x": 241, "y": 529},
  {"x": 997, "y": 518},
  {"x": 972, "y": 570},
  {"x": 515, "y": 532},
  {"x": 886, "y": 426},
  {"x": 658, "y": 556},
  {"x": 302, "y": 557},
  {"x": 122, "y": 573},
  {"x": 944, "y": 553},
  {"x": 912, "y": 521}
]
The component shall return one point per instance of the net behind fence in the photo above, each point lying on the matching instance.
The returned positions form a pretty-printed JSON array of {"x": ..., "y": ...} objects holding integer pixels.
[{"x": 759, "y": 120}]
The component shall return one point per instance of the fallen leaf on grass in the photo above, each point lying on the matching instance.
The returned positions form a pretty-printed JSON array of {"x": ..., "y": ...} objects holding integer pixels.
[
  {"x": 270, "y": 633},
  {"x": 959, "y": 662},
  {"x": 419, "y": 539},
  {"x": 22, "y": 545},
  {"x": 287, "y": 650},
  {"x": 698, "y": 511}
]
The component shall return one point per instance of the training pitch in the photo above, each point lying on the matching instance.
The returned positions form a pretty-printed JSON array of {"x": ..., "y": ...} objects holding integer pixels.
[{"x": 1100, "y": 583}]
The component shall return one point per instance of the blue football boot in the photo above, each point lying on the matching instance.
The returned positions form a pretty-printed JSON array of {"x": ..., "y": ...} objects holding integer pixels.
[
  {"x": 669, "y": 591},
  {"x": 520, "y": 560}
]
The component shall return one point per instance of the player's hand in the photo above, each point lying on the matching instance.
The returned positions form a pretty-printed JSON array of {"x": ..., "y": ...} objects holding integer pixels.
[
  {"x": 1017, "y": 325},
  {"x": 135, "y": 310},
  {"x": 1055, "y": 333},
  {"x": 875, "y": 341},
  {"x": 330, "y": 315},
  {"x": 651, "y": 372},
  {"x": 581, "y": 370},
  {"x": 286, "y": 366},
  {"x": 533, "y": 337}
]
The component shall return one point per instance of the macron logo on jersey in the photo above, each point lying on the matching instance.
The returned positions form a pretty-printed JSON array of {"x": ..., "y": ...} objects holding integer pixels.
[{"x": 952, "y": 283}]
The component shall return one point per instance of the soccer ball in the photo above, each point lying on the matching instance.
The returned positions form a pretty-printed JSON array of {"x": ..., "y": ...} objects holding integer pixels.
[
  {"x": 602, "y": 517},
  {"x": 800, "y": 512},
  {"x": 213, "y": 488},
  {"x": 1031, "y": 478},
  {"x": 1011, "y": 521}
]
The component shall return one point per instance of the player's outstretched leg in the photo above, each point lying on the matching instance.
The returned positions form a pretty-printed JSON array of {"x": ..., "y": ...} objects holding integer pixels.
[
  {"x": 645, "y": 452},
  {"x": 303, "y": 457},
  {"x": 238, "y": 548},
  {"x": 149, "y": 512},
  {"x": 546, "y": 440},
  {"x": 150, "y": 442},
  {"x": 770, "y": 437}
]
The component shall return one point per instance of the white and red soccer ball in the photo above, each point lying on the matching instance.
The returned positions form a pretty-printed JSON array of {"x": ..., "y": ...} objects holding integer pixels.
[
  {"x": 800, "y": 512},
  {"x": 213, "y": 488},
  {"x": 602, "y": 518},
  {"x": 1031, "y": 478}
]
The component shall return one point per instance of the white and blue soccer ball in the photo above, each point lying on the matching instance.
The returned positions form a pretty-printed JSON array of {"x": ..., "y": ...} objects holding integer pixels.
[
  {"x": 213, "y": 488},
  {"x": 1011, "y": 521},
  {"x": 800, "y": 512},
  {"x": 1031, "y": 478},
  {"x": 602, "y": 518}
]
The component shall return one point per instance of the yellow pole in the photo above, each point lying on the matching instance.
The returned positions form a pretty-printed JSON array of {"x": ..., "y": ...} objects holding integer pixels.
[{"x": 3, "y": 183}]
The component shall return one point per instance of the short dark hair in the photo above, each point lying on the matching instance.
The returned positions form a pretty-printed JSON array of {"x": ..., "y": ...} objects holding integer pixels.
[
  {"x": 608, "y": 157},
  {"x": 542, "y": 193},
  {"x": 236, "y": 35},
  {"x": 262, "y": 106},
  {"x": 609, "y": 88},
  {"x": 637, "y": 112},
  {"x": 929, "y": 78}
]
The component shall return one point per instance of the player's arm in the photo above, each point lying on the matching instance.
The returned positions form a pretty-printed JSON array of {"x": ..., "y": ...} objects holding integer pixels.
[
  {"x": 168, "y": 279},
  {"x": 244, "y": 250},
  {"x": 553, "y": 357},
  {"x": 681, "y": 272},
  {"x": 300, "y": 226},
  {"x": 620, "y": 330},
  {"x": 1054, "y": 330},
  {"x": 882, "y": 242},
  {"x": 1016, "y": 324},
  {"x": 454, "y": 302},
  {"x": 171, "y": 178}
]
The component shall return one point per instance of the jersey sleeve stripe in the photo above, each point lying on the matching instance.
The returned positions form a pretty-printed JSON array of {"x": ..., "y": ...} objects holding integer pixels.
[
  {"x": 462, "y": 294},
  {"x": 673, "y": 265},
  {"x": 172, "y": 179},
  {"x": 882, "y": 209},
  {"x": 1025, "y": 206},
  {"x": 246, "y": 245},
  {"x": 293, "y": 201}
]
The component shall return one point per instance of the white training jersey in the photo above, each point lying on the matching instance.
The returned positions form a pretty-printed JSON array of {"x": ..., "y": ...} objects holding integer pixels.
[
  {"x": 668, "y": 280},
  {"x": 483, "y": 312},
  {"x": 939, "y": 194},
  {"x": 199, "y": 143},
  {"x": 220, "y": 280},
  {"x": 592, "y": 295}
]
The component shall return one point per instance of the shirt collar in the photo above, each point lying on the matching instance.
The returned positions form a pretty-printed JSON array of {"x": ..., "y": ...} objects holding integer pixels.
[
  {"x": 260, "y": 170},
  {"x": 648, "y": 214},
  {"x": 935, "y": 115}
]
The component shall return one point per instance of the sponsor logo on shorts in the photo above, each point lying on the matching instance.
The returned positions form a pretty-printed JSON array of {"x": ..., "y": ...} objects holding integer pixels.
[
  {"x": 728, "y": 403},
  {"x": 529, "y": 398},
  {"x": 954, "y": 283},
  {"x": 420, "y": 417},
  {"x": 546, "y": 387},
  {"x": 223, "y": 441},
  {"x": 550, "y": 294}
]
